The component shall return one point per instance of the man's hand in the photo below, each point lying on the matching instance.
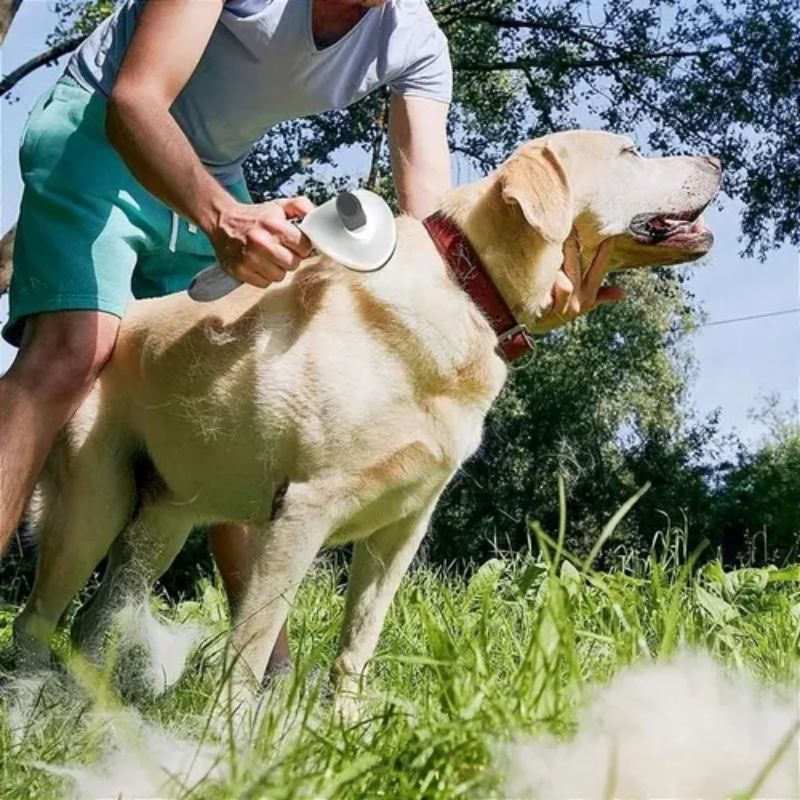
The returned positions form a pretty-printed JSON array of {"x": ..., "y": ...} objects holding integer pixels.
[
  {"x": 574, "y": 293},
  {"x": 257, "y": 244}
]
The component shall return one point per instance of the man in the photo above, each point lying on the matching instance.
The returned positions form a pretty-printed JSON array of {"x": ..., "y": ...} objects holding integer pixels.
[{"x": 132, "y": 171}]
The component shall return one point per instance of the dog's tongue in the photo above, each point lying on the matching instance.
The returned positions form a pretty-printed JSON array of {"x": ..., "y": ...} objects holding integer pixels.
[{"x": 664, "y": 223}]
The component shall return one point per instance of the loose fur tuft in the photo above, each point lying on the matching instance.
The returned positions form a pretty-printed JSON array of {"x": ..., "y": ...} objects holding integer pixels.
[{"x": 686, "y": 728}]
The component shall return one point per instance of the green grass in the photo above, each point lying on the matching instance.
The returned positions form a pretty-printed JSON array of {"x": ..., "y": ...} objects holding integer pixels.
[{"x": 463, "y": 663}]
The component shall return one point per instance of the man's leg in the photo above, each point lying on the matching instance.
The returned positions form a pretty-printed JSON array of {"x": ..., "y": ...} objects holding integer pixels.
[
  {"x": 60, "y": 356},
  {"x": 230, "y": 546}
]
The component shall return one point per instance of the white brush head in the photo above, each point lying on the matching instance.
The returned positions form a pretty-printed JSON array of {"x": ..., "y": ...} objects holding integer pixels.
[
  {"x": 362, "y": 242},
  {"x": 357, "y": 229}
]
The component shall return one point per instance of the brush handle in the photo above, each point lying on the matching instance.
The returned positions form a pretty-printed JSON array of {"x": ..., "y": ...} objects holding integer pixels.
[{"x": 212, "y": 283}]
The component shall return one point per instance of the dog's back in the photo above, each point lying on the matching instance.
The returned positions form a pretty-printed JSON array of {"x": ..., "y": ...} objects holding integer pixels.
[{"x": 6, "y": 259}]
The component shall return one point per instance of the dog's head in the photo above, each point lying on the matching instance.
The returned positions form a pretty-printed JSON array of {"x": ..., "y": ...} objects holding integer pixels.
[
  {"x": 594, "y": 186},
  {"x": 651, "y": 206}
]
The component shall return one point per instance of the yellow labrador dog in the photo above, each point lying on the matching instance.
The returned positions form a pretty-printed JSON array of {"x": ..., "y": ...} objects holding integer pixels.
[{"x": 334, "y": 407}]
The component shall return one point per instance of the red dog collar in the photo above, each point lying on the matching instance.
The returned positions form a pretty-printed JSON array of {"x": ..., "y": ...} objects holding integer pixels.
[{"x": 513, "y": 339}]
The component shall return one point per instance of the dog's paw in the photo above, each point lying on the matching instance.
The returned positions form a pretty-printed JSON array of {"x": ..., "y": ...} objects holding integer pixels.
[
  {"x": 349, "y": 707},
  {"x": 277, "y": 673}
]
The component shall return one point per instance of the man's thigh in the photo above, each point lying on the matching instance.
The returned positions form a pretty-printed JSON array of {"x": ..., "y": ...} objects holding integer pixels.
[
  {"x": 83, "y": 217},
  {"x": 62, "y": 265}
]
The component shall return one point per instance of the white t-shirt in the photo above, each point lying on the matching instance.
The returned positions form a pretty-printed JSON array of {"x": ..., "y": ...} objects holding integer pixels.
[{"x": 262, "y": 67}]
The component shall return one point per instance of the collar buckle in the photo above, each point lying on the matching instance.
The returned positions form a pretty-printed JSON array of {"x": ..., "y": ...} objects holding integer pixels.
[
  {"x": 512, "y": 351},
  {"x": 512, "y": 332}
]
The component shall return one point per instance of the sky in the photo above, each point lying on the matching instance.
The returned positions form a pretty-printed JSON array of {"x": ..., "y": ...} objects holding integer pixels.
[{"x": 739, "y": 364}]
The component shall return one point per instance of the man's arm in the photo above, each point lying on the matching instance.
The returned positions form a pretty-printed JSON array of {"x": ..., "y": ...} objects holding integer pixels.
[
  {"x": 255, "y": 243},
  {"x": 420, "y": 154}
]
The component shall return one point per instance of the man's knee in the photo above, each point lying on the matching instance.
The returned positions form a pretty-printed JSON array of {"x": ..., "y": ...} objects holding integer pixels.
[{"x": 63, "y": 353}]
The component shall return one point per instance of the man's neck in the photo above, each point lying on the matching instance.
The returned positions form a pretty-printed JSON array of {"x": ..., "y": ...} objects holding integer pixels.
[{"x": 333, "y": 19}]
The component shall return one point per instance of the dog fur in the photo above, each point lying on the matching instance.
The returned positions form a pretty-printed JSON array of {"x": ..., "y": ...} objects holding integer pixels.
[
  {"x": 6, "y": 259},
  {"x": 334, "y": 407}
]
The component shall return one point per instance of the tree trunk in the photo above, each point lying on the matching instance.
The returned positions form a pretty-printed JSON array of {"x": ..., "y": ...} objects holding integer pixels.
[{"x": 7, "y": 10}]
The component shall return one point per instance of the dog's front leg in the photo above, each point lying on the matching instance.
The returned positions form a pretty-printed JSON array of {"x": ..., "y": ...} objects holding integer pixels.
[
  {"x": 282, "y": 554},
  {"x": 378, "y": 566}
]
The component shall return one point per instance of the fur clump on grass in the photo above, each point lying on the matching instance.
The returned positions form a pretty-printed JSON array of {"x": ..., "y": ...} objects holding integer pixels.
[
  {"x": 478, "y": 674},
  {"x": 686, "y": 728}
]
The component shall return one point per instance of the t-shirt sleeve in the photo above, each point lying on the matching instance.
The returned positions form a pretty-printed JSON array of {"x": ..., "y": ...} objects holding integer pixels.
[{"x": 429, "y": 72}]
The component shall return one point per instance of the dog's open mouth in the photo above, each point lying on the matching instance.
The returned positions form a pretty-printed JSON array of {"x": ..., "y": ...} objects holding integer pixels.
[{"x": 682, "y": 230}]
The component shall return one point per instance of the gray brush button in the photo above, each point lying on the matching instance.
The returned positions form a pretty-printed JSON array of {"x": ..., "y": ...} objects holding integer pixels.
[{"x": 350, "y": 211}]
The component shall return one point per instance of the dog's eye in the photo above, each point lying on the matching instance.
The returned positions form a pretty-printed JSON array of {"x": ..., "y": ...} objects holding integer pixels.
[{"x": 629, "y": 150}]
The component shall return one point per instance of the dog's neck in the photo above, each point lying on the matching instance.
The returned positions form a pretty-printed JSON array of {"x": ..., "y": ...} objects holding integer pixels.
[{"x": 521, "y": 263}]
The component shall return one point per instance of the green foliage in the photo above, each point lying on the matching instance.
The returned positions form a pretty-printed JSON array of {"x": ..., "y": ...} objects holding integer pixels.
[
  {"x": 758, "y": 508},
  {"x": 599, "y": 404},
  {"x": 76, "y": 17},
  {"x": 464, "y": 664}
]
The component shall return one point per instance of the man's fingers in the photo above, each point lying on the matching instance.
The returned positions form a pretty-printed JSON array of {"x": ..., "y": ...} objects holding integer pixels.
[
  {"x": 296, "y": 206},
  {"x": 265, "y": 247},
  {"x": 289, "y": 235},
  {"x": 263, "y": 244},
  {"x": 252, "y": 278},
  {"x": 282, "y": 257},
  {"x": 572, "y": 261},
  {"x": 269, "y": 272},
  {"x": 562, "y": 292},
  {"x": 610, "y": 294},
  {"x": 598, "y": 270}
]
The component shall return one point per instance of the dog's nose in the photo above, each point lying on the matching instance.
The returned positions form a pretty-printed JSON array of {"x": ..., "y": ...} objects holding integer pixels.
[{"x": 712, "y": 162}]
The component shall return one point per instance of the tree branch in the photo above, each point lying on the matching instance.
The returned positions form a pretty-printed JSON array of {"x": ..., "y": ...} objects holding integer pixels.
[
  {"x": 6, "y": 258},
  {"x": 587, "y": 63},
  {"x": 524, "y": 24},
  {"x": 53, "y": 54},
  {"x": 446, "y": 15},
  {"x": 488, "y": 163}
]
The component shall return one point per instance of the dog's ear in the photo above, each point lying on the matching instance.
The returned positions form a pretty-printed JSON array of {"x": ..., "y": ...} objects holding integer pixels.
[{"x": 534, "y": 180}]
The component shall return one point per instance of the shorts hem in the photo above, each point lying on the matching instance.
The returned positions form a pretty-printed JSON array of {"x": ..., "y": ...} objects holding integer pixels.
[{"x": 12, "y": 330}]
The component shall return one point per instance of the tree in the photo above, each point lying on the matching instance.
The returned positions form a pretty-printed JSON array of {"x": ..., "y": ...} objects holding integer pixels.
[{"x": 757, "y": 508}]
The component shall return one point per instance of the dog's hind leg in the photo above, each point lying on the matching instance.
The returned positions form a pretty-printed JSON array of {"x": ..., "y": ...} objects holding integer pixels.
[
  {"x": 139, "y": 556},
  {"x": 88, "y": 495}
]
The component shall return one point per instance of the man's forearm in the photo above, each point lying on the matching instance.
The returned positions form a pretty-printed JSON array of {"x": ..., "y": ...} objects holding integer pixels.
[
  {"x": 422, "y": 199},
  {"x": 420, "y": 154},
  {"x": 422, "y": 176},
  {"x": 161, "y": 158}
]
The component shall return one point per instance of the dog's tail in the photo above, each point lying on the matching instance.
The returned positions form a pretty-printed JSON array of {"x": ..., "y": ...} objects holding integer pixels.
[{"x": 6, "y": 256}]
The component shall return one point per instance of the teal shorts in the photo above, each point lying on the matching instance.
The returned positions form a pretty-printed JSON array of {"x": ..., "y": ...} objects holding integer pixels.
[{"x": 89, "y": 235}]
